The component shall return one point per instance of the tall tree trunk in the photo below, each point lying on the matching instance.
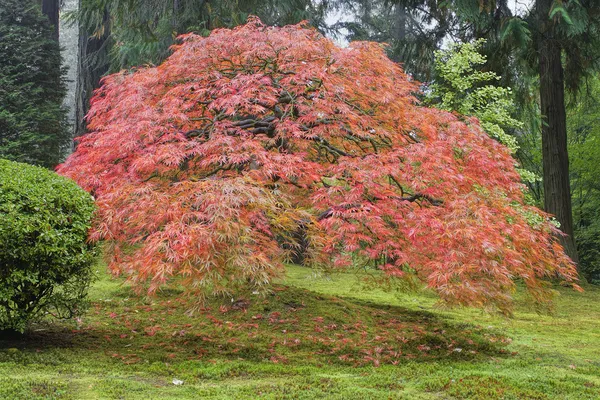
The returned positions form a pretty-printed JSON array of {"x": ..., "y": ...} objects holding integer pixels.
[
  {"x": 557, "y": 193},
  {"x": 69, "y": 43},
  {"x": 93, "y": 64},
  {"x": 400, "y": 22},
  {"x": 175, "y": 18},
  {"x": 50, "y": 8}
]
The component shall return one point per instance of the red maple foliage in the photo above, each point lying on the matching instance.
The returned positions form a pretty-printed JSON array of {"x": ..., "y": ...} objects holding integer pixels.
[{"x": 208, "y": 166}]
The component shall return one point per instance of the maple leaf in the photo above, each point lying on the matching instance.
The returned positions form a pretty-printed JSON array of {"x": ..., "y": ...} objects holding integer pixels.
[{"x": 252, "y": 145}]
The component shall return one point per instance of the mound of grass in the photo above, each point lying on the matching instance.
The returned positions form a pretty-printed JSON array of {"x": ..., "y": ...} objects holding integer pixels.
[
  {"x": 313, "y": 337},
  {"x": 289, "y": 326}
]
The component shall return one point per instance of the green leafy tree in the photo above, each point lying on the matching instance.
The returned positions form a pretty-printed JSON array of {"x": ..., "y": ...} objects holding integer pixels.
[
  {"x": 583, "y": 121},
  {"x": 32, "y": 119},
  {"x": 462, "y": 86}
]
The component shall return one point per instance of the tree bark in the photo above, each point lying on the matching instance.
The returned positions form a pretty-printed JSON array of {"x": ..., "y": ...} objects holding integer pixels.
[
  {"x": 93, "y": 64},
  {"x": 400, "y": 22},
  {"x": 555, "y": 159},
  {"x": 69, "y": 43},
  {"x": 50, "y": 8}
]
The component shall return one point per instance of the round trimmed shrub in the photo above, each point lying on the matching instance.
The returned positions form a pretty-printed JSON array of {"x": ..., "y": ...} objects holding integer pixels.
[{"x": 45, "y": 258}]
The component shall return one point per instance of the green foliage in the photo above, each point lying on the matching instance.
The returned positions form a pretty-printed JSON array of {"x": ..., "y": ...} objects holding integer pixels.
[
  {"x": 559, "y": 11},
  {"x": 412, "y": 29},
  {"x": 45, "y": 259},
  {"x": 517, "y": 32},
  {"x": 142, "y": 32},
  {"x": 462, "y": 86},
  {"x": 583, "y": 122},
  {"x": 587, "y": 236},
  {"x": 32, "y": 119}
]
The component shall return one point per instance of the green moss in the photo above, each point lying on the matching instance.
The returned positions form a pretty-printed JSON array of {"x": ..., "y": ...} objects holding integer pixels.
[{"x": 318, "y": 337}]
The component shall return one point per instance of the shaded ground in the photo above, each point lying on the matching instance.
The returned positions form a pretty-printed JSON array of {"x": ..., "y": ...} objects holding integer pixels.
[{"x": 337, "y": 340}]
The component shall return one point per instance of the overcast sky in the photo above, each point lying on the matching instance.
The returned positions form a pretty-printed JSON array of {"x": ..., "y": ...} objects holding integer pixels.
[{"x": 520, "y": 7}]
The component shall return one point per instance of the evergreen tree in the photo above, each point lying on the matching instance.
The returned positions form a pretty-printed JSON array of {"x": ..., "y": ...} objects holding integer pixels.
[
  {"x": 413, "y": 29},
  {"x": 583, "y": 122},
  {"x": 32, "y": 119},
  {"x": 141, "y": 32},
  {"x": 118, "y": 34}
]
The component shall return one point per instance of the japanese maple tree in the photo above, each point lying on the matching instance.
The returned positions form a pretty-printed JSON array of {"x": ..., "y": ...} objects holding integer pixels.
[{"x": 251, "y": 144}]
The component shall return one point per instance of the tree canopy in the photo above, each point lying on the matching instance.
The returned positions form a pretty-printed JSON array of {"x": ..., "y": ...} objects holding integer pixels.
[{"x": 207, "y": 167}]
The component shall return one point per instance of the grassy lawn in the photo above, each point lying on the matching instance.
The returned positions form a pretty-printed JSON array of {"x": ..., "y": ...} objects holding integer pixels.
[{"x": 314, "y": 337}]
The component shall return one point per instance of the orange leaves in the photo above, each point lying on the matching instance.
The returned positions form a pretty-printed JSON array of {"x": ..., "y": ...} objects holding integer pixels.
[{"x": 254, "y": 144}]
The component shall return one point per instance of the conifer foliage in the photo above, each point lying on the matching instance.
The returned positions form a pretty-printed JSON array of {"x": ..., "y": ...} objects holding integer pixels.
[
  {"x": 253, "y": 143},
  {"x": 33, "y": 126}
]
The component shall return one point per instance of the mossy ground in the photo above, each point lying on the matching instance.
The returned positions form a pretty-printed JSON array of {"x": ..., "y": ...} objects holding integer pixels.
[{"x": 314, "y": 337}]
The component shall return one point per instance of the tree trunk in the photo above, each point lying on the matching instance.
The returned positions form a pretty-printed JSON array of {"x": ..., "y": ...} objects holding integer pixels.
[
  {"x": 175, "y": 18},
  {"x": 400, "y": 22},
  {"x": 557, "y": 193},
  {"x": 93, "y": 64},
  {"x": 69, "y": 43},
  {"x": 50, "y": 8}
]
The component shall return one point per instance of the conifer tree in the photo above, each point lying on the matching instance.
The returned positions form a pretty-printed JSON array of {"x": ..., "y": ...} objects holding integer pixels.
[{"x": 32, "y": 119}]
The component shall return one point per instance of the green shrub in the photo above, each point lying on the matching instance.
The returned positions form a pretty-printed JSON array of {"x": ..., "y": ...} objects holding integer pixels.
[{"x": 45, "y": 259}]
